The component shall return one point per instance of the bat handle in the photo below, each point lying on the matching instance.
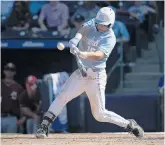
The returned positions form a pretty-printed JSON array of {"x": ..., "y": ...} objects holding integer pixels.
[
  {"x": 81, "y": 66},
  {"x": 83, "y": 72}
]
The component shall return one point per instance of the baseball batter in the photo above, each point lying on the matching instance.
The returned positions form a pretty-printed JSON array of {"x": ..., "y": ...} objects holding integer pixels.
[{"x": 95, "y": 41}]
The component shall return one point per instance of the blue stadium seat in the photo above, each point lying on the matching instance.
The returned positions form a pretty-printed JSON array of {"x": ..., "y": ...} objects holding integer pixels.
[
  {"x": 35, "y": 7},
  {"x": 6, "y": 9}
]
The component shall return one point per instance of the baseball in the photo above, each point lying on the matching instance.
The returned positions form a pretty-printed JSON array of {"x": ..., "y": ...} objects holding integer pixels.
[{"x": 60, "y": 46}]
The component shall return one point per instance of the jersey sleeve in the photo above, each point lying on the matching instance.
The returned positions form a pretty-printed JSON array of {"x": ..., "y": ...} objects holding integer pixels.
[
  {"x": 107, "y": 45},
  {"x": 90, "y": 23}
]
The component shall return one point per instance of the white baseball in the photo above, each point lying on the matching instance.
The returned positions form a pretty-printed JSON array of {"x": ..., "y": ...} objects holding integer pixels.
[{"x": 60, "y": 46}]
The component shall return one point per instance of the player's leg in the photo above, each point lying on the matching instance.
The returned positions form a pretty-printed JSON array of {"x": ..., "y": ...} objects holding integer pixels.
[
  {"x": 95, "y": 90},
  {"x": 72, "y": 88}
]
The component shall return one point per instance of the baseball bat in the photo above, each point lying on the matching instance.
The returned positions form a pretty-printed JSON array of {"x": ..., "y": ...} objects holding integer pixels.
[{"x": 81, "y": 66}]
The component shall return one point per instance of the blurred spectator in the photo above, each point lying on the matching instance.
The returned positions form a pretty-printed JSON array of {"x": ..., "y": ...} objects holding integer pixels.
[
  {"x": 124, "y": 5},
  {"x": 10, "y": 110},
  {"x": 78, "y": 22},
  {"x": 30, "y": 104},
  {"x": 122, "y": 35},
  {"x": 121, "y": 32},
  {"x": 136, "y": 9},
  {"x": 88, "y": 11},
  {"x": 121, "y": 7},
  {"x": 56, "y": 15},
  {"x": 20, "y": 16},
  {"x": 139, "y": 10}
]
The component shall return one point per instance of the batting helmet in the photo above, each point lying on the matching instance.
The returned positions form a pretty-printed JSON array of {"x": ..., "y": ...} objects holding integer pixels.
[{"x": 105, "y": 16}]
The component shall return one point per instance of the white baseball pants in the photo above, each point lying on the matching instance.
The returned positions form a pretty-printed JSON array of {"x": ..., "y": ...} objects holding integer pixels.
[{"x": 94, "y": 86}]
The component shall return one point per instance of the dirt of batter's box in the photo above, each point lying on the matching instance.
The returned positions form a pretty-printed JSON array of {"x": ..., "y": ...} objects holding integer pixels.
[{"x": 84, "y": 139}]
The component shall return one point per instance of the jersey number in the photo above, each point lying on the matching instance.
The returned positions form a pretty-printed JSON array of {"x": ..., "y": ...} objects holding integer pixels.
[{"x": 90, "y": 48}]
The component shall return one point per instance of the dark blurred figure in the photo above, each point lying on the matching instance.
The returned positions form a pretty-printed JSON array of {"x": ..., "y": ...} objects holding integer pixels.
[
  {"x": 20, "y": 16},
  {"x": 30, "y": 104},
  {"x": 88, "y": 11},
  {"x": 160, "y": 7},
  {"x": 140, "y": 10},
  {"x": 78, "y": 22},
  {"x": 10, "y": 110},
  {"x": 141, "y": 37}
]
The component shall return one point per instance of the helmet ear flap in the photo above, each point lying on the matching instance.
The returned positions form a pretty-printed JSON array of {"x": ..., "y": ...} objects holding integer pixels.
[
  {"x": 109, "y": 25},
  {"x": 96, "y": 26}
]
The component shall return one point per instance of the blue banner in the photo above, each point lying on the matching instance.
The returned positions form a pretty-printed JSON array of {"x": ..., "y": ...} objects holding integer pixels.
[{"x": 40, "y": 44}]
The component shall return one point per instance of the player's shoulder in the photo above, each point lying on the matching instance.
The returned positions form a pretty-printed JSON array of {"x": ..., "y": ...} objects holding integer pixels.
[
  {"x": 90, "y": 23},
  {"x": 108, "y": 38},
  {"x": 88, "y": 26},
  {"x": 110, "y": 34}
]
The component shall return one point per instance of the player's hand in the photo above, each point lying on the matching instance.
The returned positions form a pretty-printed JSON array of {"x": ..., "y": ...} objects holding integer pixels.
[
  {"x": 73, "y": 49},
  {"x": 83, "y": 55}
]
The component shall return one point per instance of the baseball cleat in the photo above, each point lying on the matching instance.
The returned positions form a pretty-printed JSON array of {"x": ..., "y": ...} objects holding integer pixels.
[
  {"x": 42, "y": 131},
  {"x": 135, "y": 129}
]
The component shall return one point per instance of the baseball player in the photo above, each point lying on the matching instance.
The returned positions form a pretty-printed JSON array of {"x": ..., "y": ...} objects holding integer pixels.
[{"x": 95, "y": 45}]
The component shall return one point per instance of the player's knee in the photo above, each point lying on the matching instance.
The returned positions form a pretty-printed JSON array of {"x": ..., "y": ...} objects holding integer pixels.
[{"x": 99, "y": 116}]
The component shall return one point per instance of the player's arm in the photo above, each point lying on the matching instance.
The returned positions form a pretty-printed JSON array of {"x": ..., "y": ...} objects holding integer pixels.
[
  {"x": 92, "y": 55},
  {"x": 105, "y": 48},
  {"x": 74, "y": 41}
]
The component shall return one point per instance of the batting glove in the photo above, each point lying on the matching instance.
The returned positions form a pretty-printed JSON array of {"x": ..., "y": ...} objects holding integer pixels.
[
  {"x": 83, "y": 55},
  {"x": 73, "y": 49}
]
